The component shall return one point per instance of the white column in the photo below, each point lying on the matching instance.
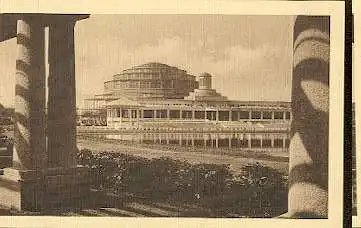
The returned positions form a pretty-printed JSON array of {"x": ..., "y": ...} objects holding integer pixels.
[{"x": 29, "y": 136}]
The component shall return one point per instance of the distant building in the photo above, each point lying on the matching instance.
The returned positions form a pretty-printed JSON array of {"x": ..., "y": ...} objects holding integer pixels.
[
  {"x": 148, "y": 81},
  {"x": 153, "y": 94}
]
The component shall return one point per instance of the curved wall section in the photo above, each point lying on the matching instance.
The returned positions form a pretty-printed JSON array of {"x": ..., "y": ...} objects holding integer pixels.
[{"x": 152, "y": 81}]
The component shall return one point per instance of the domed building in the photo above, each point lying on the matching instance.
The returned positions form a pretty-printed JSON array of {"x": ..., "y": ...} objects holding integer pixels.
[
  {"x": 154, "y": 94},
  {"x": 151, "y": 81}
]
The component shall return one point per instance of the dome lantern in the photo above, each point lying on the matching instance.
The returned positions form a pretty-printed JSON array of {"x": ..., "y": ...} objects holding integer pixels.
[{"x": 205, "y": 81}]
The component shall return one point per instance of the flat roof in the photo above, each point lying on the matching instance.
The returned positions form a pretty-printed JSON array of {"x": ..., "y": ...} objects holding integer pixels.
[{"x": 8, "y": 22}]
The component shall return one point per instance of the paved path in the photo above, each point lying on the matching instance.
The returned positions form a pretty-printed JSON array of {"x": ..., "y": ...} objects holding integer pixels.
[{"x": 192, "y": 157}]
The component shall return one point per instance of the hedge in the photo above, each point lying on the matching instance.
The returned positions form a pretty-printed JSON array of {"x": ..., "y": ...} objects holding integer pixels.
[{"x": 257, "y": 191}]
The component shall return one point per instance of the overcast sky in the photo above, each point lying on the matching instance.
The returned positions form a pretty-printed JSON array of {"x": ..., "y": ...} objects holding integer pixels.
[{"x": 250, "y": 57}]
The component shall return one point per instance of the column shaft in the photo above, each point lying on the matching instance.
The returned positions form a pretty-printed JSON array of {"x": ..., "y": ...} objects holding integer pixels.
[
  {"x": 261, "y": 141},
  {"x": 61, "y": 103},
  {"x": 29, "y": 145},
  {"x": 308, "y": 178}
]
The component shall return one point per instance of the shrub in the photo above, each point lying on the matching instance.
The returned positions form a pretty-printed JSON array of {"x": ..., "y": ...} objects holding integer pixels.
[
  {"x": 264, "y": 191},
  {"x": 257, "y": 191}
]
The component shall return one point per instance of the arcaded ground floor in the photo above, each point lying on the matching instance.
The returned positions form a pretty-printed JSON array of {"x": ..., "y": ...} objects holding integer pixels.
[{"x": 194, "y": 155}]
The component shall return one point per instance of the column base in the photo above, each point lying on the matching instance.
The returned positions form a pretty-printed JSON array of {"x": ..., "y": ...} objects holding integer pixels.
[{"x": 46, "y": 189}]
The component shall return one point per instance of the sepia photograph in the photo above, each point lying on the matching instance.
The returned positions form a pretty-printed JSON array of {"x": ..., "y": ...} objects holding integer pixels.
[{"x": 172, "y": 115}]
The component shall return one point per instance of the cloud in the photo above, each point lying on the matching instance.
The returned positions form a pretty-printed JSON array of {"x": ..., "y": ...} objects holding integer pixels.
[
  {"x": 249, "y": 56},
  {"x": 263, "y": 73}
]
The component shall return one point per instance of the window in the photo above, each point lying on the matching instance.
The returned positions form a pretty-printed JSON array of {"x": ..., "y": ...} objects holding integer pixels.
[
  {"x": 234, "y": 115},
  {"x": 288, "y": 115},
  {"x": 187, "y": 114},
  {"x": 134, "y": 113},
  {"x": 256, "y": 115},
  {"x": 161, "y": 113},
  {"x": 244, "y": 115},
  {"x": 278, "y": 143},
  {"x": 223, "y": 115},
  {"x": 174, "y": 114},
  {"x": 278, "y": 115},
  {"x": 125, "y": 113},
  {"x": 148, "y": 114},
  {"x": 199, "y": 114},
  {"x": 211, "y": 115},
  {"x": 267, "y": 115}
]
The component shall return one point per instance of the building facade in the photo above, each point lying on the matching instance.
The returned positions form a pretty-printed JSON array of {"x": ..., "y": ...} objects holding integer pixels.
[{"x": 154, "y": 96}]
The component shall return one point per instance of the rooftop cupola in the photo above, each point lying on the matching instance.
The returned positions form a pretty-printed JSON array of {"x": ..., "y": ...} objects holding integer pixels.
[{"x": 205, "y": 81}]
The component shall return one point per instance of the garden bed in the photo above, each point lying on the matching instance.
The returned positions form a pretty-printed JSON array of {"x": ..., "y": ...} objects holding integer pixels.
[{"x": 257, "y": 191}]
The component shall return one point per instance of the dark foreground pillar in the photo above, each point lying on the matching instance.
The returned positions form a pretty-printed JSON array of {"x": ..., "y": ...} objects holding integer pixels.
[
  {"x": 19, "y": 186},
  {"x": 308, "y": 178},
  {"x": 61, "y": 104},
  {"x": 67, "y": 182}
]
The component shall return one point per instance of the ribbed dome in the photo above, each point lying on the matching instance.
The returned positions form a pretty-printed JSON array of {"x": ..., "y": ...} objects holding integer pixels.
[
  {"x": 153, "y": 65},
  {"x": 205, "y": 74},
  {"x": 152, "y": 80}
]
